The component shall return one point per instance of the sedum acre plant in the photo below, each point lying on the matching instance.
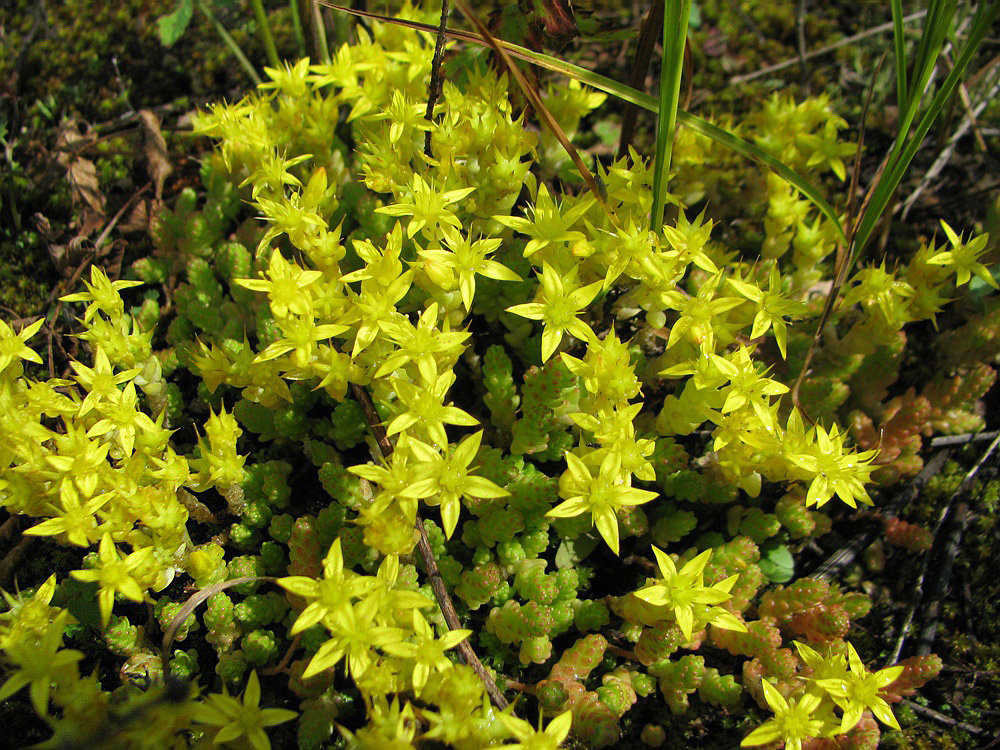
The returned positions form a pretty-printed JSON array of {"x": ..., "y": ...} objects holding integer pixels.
[{"x": 413, "y": 407}]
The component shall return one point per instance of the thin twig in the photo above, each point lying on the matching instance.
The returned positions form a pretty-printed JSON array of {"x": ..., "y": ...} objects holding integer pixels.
[
  {"x": 650, "y": 29},
  {"x": 946, "y": 153},
  {"x": 937, "y": 716},
  {"x": 939, "y": 584},
  {"x": 192, "y": 604},
  {"x": 14, "y": 78},
  {"x": 283, "y": 664},
  {"x": 746, "y": 18},
  {"x": 10, "y": 527},
  {"x": 622, "y": 652},
  {"x": 856, "y": 545},
  {"x": 427, "y": 555},
  {"x": 230, "y": 43},
  {"x": 984, "y": 71},
  {"x": 940, "y": 580},
  {"x": 977, "y": 131},
  {"x": 845, "y": 251},
  {"x": 521, "y": 686},
  {"x": 874, "y": 30},
  {"x": 58, "y": 289},
  {"x": 800, "y": 29},
  {"x": 117, "y": 217},
  {"x": 963, "y": 439},
  {"x": 12, "y": 558},
  {"x": 319, "y": 33},
  {"x": 373, "y": 419},
  {"x": 434, "y": 89},
  {"x": 953, "y": 542},
  {"x": 543, "y": 113}
]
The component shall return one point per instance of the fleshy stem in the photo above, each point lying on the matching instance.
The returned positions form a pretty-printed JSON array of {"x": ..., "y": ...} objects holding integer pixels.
[
  {"x": 283, "y": 664},
  {"x": 434, "y": 90},
  {"x": 424, "y": 545}
]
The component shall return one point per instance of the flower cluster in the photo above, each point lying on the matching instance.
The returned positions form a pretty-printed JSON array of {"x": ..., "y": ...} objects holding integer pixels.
[{"x": 554, "y": 381}]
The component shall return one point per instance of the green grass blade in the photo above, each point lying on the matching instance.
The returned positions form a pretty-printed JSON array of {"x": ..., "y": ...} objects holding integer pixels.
[
  {"x": 699, "y": 125},
  {"x": 936, "y": 24},
  {"x": 986, "y": 14},
  {"x": 675, "y": 26},
  {"x": 264, "y": 29},
  {"x": 300, "y": 38},
  {"x": 319, "y": 32},
  {"x": 640, "y": 99},
  {"x": 899, "y": 43},
  {"x": 765, "y": 158},
  {"x": 230, "y": 42}
]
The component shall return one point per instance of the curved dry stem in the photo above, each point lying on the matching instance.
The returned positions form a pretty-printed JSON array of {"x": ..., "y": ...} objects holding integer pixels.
[{"x": 430, "y": 564}]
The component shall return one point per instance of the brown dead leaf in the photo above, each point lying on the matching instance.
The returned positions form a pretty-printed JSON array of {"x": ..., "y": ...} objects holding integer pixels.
[
  {"x": 556, "y": 22},
  {"x": 154, "y": 147},
  {"x": 138, "y": 218},
  {"x": 83, "y": 179},
  {"x": 81, "y": 172},
  {"x": 62, "y": 258},
  {"x": 195, "y": 507}
]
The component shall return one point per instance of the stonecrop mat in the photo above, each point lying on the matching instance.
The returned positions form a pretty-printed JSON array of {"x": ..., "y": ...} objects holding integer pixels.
[{"x": 405, "y": 433}]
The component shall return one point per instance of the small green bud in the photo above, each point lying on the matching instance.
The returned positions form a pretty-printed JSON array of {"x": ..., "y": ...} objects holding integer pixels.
[
  {"x": 281, "y": 527},
  {"x": 231, "y": 667},
  {"x": 260, "y": 646},
  {"x": 184, "y": 664}
]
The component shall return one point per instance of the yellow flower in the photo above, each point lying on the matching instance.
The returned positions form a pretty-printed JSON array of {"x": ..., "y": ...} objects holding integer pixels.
[
  {"x": 466, "y": 258},
  {"x": 549, "y": 222},
  {"x": 39, "y": 662},
  {"x": 122, "y": 419},
  {"x": 429, "y": 208},
  {"x": 793, "y": 721},
  {"x": 115, "y": 575},
  {"x": 72, "y": 518},
  {"x": 286, "y": 286},
  {"x": 772, "y": 307},
  {"x": 100, "y": 381},
  {"x": 422, "y": 344},
  {"x": 352, "y": 636},
  {"x": 103, "y": 294},
  {"x": 426, "y": 651},
  {"x": 560, "y": 302},
  {"x": 238, "y": 719},
  {"x": 829, "y": 466},
  {"x": 964, "y": 257},
  {"x": 329, "y": 594},
  {"x": 747, "y": 385},
  {"x": 551, "y": 738},
  {"x": 692, "y": 603},
  {"x": 13, "y": 346},
  {"x": 426, "y": 409},
  {"x": 602, "y": 495},
  {"x": 447, "y": 479},
  {"x": 858, "y": 691}
]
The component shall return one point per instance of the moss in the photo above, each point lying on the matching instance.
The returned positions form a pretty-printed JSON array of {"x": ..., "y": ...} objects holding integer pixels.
[
  {"x": 22, "y": 288},
  {"x": 74, "y": 58}
]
